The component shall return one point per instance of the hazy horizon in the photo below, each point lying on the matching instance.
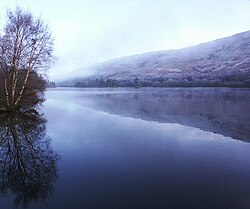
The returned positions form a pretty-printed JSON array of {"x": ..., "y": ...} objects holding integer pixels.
[{"x": 89, "y": 32}]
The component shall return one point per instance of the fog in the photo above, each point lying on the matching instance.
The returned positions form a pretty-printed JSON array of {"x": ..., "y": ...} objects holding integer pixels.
[{"x": 88, "y": 32}]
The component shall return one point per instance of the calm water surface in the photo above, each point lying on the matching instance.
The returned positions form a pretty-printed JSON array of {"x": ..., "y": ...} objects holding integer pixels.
[{"x": 130, "y": 149}]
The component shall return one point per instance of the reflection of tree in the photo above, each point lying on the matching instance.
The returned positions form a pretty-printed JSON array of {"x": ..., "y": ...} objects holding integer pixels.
[{"x": 27, "y": 163}]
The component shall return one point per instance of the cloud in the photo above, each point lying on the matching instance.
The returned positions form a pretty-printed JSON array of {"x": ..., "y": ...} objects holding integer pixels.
[{"x": 87, "y": 32}]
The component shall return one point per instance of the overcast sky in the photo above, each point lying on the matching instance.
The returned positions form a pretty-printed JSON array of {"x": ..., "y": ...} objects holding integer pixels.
[{"x": 91, "y": 31}]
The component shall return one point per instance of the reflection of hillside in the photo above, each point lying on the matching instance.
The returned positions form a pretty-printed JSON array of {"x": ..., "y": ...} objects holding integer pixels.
[
  {"x": 223, "y": 111},
  {"x": 27, "y": 163}
]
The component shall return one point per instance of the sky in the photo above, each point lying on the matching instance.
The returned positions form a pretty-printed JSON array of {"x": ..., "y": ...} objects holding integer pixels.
[{"x": 93, "y": 31}]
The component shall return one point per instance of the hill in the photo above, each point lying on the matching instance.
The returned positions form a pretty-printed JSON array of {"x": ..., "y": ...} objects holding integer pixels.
[{"x": 223, "y": 62}]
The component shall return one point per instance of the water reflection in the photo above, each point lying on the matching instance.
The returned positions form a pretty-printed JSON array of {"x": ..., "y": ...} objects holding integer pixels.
[
  {"x": 223, "y": 111},
  {"x": 115, "y": 161},
  {"x": 27, "y": 162}
]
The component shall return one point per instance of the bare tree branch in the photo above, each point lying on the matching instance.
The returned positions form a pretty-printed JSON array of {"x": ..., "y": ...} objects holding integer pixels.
[{"x": 26, "y": 46}]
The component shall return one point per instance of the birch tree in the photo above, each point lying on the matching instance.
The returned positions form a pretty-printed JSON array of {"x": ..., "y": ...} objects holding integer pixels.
[{"x": 26, "y": 46}]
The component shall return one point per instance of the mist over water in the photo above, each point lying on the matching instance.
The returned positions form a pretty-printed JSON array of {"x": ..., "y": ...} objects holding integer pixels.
[
  {"x": 122, "y": 134},
  {"x": 147, "y": 148}
]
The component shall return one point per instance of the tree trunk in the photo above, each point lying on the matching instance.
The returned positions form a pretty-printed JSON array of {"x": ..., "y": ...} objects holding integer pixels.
[
  {"x": 14, "y": 83},
  {"x": 23, "y": 87},
  {"x": 6, "y": 91}
]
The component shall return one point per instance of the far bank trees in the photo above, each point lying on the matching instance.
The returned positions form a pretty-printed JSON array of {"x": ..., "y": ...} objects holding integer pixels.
[{"x": 26, "y": 52}]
